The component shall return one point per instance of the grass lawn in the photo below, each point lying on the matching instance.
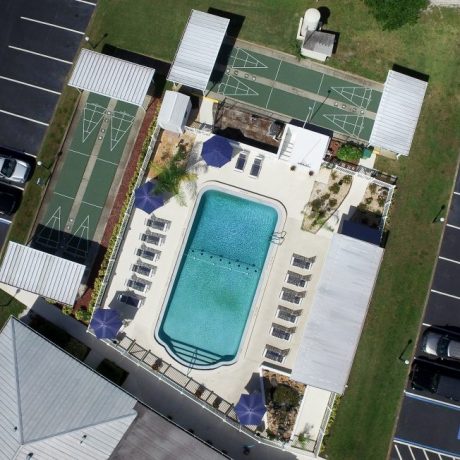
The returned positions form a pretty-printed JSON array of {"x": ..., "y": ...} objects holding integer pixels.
[
  {"x": 366, "y": 416},
  {"x": 9, "y": 306}
]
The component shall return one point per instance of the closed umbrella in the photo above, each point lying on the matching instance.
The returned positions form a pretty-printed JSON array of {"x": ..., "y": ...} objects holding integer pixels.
[
  {"x": 105, "y": 323},
  {"x": 250, "y": 409},
  {"x": 217, "y": 151},
  {"x": 145, "y": 198}
]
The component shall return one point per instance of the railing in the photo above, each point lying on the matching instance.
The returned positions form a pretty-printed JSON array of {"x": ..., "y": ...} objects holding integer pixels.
[
  {"x": 305, "y": 444},
  {"x": 126, "y": 218},
  {"x": 324, "y": 423},
  {"x": 188, "y": 387}
]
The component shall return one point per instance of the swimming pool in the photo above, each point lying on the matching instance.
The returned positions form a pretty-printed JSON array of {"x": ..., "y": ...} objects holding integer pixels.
[{"x": 216, "y": 281}]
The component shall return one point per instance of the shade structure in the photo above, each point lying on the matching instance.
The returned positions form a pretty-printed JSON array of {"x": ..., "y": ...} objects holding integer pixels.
[
  {"x": 250, "y": 409},
  {"x": 217, "y": 151},
  {"x": 105, "y": 323},
  {"x": 145, "y": 198}
]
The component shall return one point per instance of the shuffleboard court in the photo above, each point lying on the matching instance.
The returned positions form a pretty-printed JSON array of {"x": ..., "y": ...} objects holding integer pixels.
[{"x": 302, "y": 93}]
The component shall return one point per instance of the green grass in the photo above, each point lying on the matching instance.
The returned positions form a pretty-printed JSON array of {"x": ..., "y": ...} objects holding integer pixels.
[
  {"x": 9, "y": 306},
  {"x": 367, "y": 413}
]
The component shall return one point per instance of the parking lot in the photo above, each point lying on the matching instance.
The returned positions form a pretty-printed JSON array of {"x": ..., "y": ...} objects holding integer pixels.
[
  {"x": 429, "y": 424},
  {"x": 38, "y": 43}
]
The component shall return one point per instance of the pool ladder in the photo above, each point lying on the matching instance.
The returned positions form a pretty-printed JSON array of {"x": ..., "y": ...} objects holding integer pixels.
[{"x": 278, "y": 237}]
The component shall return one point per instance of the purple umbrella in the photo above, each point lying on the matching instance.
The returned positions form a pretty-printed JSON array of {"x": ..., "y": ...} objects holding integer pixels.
[
  {"x": 250, "y": 409},
  {"x": 105, "y": 323},
  {"x": 217, "y": 151},
  {"x": 145, "y": 198}
]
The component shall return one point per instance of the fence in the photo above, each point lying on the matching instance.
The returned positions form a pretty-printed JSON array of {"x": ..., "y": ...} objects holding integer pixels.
[
  {"x": 126, "y": 218},
  {"x": 324, "y": 423}
]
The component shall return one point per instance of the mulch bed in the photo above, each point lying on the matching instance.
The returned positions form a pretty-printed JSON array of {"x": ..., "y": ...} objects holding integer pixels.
[{"x": 114, "y": 217}]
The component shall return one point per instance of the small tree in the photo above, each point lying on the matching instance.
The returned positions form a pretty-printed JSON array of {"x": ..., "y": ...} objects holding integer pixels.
[
  {"x": 349, "y": 153},
  {"x": 285, "y": 396},
  {"x": 393, "y": 14},
  {"x": 335, "y": 188}
]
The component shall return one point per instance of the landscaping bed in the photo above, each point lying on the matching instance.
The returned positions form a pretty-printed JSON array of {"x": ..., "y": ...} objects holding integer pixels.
[{"x": 370, "y": 210}]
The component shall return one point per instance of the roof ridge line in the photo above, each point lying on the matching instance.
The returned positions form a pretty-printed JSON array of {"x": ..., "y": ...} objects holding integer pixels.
[{"x": 18, "y": 393}]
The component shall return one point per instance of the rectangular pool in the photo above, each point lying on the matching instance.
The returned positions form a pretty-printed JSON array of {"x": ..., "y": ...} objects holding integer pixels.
[{"x": 205, "y": 316}]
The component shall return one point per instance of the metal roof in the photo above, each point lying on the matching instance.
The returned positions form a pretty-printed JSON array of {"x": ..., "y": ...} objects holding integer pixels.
[
  {"x": 198, "y": 50},
  {"x": 337, "y": 315},
  {"x": 173, "y": 111},
  {"x": 111, "y": 77},
  {"x": 49, "y": 401},
  {"x": 41, "y": 273},
  {"x": 398, "y": 113}
]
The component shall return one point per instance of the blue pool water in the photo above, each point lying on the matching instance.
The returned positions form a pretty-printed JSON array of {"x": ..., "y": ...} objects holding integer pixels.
[{"x": 217, "y": 278}]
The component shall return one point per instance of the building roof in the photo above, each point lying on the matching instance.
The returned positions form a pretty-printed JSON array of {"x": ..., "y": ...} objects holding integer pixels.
[
  {"x": 153, "y": 436},
  {"x": 198, "y": 50},
  {"x": 303, "y": 146},
  {"x": 111, "y": 77},
  {"x": 41, "y": 273},
  {"x": 337, "y": 315},
  {"x": 53, "y": 406},
  {"x": 361, "y": 232},
  {"x": 398, "y": 113},
  {"x": 173, "y": 110}
]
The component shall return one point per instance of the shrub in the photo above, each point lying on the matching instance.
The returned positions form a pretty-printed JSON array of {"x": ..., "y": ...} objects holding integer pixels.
[
  {"x": 285, "y": 395},
  {"x": 373, "y": 188},
  {"x": 83, "y": 315},
  {"x": 392, "y": 14},
  {"x": 349, "y": 153},
  {"x": 381, "y": 200},
  {"x": 325, "y": 197},
  {"x": 67, "y": 309},
  {"x": 347, "y": 179},
  {"x": 316, "y": 204},
  {"x": 335, "y": 188},
  {"x": 332, "y": 202},
  {"x": 368, "y": 200}
]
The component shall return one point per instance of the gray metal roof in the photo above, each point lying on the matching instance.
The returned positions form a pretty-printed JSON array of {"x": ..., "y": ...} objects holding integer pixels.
[
  {"x": 41, "y": 273},
  {"x": 152, "y": 436},
  {"x": 173, "y": 110},
  {"x": 53, "y": 401},
  {"x": 198, "y": 50},
  {"x": 337, "y": 315},
  {"x": 111, "y": 77},
  {"x": 398, "y": 113}
]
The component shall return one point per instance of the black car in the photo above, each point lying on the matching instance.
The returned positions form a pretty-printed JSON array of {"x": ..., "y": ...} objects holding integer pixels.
[
  {"x": 8, "y": 202},
  {"x": 438, "y": 381}
]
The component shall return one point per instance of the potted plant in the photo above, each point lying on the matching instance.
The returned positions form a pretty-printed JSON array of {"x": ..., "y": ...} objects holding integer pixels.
[{"x": 157, "y": 364}]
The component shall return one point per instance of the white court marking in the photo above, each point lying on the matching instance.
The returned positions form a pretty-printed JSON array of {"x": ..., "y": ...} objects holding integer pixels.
[
  {"x": 39, "y": 54},
  {"x": 29, "y": 84},
  {"x": 24, "y": 118},
  {"x": 91, "y": 204},
  {"x": 49, "y": 24},
  {"x": 107, "y": 161},
  {"x": 445, "y": 294},
  {"x": 79, "y": 153},
  {"x": 449, "y": 260},
  {"x": 65, "y": 196}
]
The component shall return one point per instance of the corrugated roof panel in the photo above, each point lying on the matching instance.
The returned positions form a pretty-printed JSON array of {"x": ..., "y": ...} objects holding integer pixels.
[
  {"x": 398, "y": 113},
  {"x": 41, "y": 273},
  {"x": 111, "y": 77},
  {"x": 198, "y": 50},
  {"x": 337, "y": 315}
]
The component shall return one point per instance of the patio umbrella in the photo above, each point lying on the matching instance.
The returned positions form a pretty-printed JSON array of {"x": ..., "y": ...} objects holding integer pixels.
[
  {"x": 105, "y": 323},
  {"x": 250, "y": 409},
  {"x": 145, "y": 198},
  {"x": 217, "y": 151}
]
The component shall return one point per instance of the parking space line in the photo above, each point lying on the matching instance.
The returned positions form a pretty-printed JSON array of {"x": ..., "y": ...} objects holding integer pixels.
[
  {"x": 84, "y": 1},
  {"x": 456, "y": 193},
  {"x": 24, "y": 118},
  {"x": 453, "y": 226},
  {"x": 39, "y": 54},
  {"x": 397, "y": 451},
  {"x": 65, "y": 196},
  {"x": 52, "y": 25},
  {"x": 430, "y": 449},
  {"x": 91, "y": 204},
  {"x": 107, "y": 161},
  {"x": 444, "y": 293},
  {"x": 431, "y": 400},
  {"x": 29, "y": 84},
  {"x": 426, "y": 324},
  {"x": 449, "y": 260}
]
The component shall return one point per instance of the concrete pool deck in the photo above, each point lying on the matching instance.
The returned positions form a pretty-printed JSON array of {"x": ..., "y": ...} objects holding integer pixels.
[{"x": 277, "y": 182}]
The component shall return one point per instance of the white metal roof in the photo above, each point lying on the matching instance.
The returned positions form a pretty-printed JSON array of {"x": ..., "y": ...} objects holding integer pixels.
[
  {"x": 173, "y": 111},
  {"x": 398, "y": 113},
  {"x": 303, "y": 146},
  {"x": 111, "y": 77},
  {"x": 337, "y": 315},
  {"x": 60, "y": 408},
  {"x": 41, "y": 273},
  {"x": 198, "y": 50}
]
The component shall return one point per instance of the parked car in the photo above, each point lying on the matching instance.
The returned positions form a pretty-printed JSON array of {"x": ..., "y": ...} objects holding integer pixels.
[
  {"x": 14, "y": 170},
  {"x": 439, "y": 381},
  {"x": 8, "y": 202},
  {"x": 442, "y": 345}
]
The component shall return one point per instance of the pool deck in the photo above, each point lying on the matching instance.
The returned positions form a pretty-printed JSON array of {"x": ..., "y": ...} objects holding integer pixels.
[{"x": 277, "y": 182}]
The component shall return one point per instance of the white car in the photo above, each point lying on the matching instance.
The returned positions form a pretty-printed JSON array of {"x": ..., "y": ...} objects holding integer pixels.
[
  {"x": 14, "y": 170},
  {"x": 440, "y": 345}
]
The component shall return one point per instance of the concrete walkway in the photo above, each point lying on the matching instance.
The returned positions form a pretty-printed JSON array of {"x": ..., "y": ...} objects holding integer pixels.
[{"x": 156, "y": 393}]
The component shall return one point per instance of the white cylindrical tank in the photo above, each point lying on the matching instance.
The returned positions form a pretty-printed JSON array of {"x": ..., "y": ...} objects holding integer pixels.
[{"x": 310, "y": 20}]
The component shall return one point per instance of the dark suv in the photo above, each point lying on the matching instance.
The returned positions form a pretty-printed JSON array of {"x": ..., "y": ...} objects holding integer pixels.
[
  {"x": 8, "y": 202},
  {"x": 439, "y": 381}
]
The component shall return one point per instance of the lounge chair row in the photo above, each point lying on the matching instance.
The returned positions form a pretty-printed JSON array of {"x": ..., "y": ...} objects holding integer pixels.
[{"x": 256, "y": 165}]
